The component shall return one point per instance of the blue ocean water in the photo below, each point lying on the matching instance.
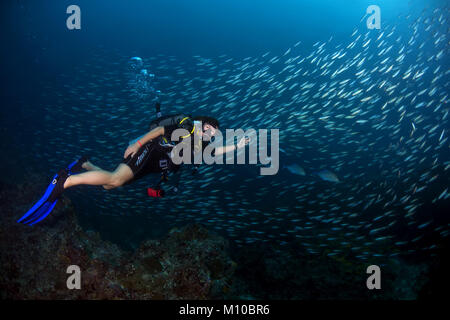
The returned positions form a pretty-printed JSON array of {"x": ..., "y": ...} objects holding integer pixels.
[{"x": 290, "y": 63}]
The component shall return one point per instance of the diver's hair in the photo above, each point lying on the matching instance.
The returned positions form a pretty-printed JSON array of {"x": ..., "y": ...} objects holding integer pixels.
[{"x": 209, "y": 120}]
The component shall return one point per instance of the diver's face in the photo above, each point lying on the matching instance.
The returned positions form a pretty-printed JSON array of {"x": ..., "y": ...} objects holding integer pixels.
[{"x": 208, "y": 131}]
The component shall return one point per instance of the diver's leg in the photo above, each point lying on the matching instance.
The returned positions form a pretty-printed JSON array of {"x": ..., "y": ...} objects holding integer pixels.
[
  {"x": 89, "y": 166},
  {"x": 104, "y": 178},
  {"x": 124, "y": 173},
  {"x": 121, "y": 175}
]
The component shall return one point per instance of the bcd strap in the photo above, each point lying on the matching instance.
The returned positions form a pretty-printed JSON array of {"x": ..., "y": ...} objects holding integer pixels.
[
  {"x": 193, "y": 128},
  {"x": 157, "y": 192},
  {"x": 161, "y": 180}
]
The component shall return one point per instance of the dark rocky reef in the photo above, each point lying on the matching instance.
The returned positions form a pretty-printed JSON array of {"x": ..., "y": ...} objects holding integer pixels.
[
  {"x": 189, "y": 263},
  {"x": 272, "y": 273}
]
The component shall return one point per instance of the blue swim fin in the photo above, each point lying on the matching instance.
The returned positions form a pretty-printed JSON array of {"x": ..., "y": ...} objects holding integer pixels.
[
  {"x": 32, "y": 212},
  {"x": 41, "y": 213},
  {"x": 46, "y": 204},
  {"x": 54, "y": 191}
]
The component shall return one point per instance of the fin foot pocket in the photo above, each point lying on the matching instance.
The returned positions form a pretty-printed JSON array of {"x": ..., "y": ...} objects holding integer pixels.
[{"x": 76, "y": 166}]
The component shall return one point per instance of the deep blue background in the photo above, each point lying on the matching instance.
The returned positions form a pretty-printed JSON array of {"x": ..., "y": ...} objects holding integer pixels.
[{"x": 38, "y": 44}]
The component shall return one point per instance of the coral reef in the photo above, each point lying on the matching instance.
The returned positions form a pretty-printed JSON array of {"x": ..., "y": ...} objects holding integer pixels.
[
  {"x": 274, "y": 273},
  {"x": 189, "y": 263}
]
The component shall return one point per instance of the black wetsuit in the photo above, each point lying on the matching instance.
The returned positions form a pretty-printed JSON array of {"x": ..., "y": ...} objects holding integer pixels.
[{"x": 154, "y": 156}]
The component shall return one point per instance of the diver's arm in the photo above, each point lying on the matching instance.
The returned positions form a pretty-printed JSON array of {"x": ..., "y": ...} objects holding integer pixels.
[
  {"x": 155, "y": 133},
  {"x": 241, "y": 144},
  {"x": 225, "y": 149},
  {"x": 133, "y": 148}
]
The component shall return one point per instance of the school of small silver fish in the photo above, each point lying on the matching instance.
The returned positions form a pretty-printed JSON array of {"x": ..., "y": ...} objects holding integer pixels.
[{"x": 363, "y": 126}]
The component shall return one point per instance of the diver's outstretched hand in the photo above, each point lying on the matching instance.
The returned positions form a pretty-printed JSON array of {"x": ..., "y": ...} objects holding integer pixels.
[
  {"x": 243, "y": 142},
  {"x": 131, "y": 150}
]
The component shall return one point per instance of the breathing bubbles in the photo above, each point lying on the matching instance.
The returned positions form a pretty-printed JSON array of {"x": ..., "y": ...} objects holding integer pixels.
[
  {"x": 143, "y": 72},
  {"x": 141, "y": 82},
  {"x": 135, "y": 64}
]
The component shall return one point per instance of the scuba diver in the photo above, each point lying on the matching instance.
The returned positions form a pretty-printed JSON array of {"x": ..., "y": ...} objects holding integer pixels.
[{"x": 150, "y": 153}]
